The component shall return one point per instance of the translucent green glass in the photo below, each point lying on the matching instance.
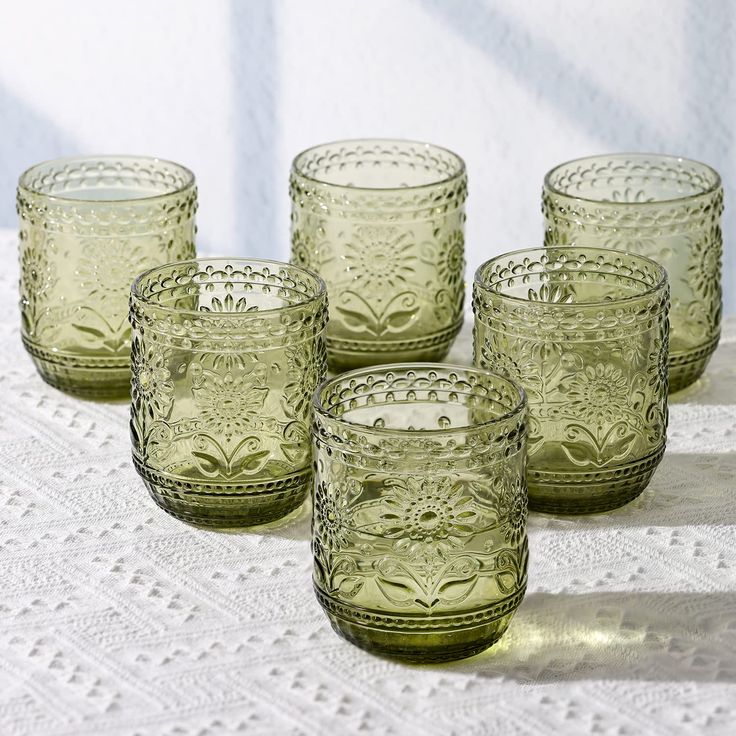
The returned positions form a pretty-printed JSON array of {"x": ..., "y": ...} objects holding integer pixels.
[
  {"x": 419, "y": 526},
  {"x": 226, "y": 354},
  {"x": 383, "y": 223},
  {"x": 665, "y": 208},
  {"x": 88, "y": 226},
  {"x": 584, "y": 331}
]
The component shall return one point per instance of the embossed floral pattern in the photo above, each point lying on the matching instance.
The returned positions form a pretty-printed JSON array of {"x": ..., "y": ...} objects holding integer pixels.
[
  {"x": 107, "y": 269},
  {"x": 152, "y": 386},
  {"x": 598, "y": 393},
  {"x": 333, "y": 513},
  {"x": 451, "y": 262},
  {"x": 509, "y": 498},
  {"x": 228, "y": 304},
  {"x": 228, "y": 404},
  {"x": 591, "y": 372},
  {"x": 301, "y": 249},
  {"x": 383, "y": 225},
  {"x": 668, "y": 210},
  {"x": 414, "y": 559},
  {"x": 427, "y": 510},
  {"x": 37, "y": 271},
  {"x": 552, "y": 294},
  {"x": 303, "y": 369},
  {"x": 380, "y": 256},
  {"x": 234, "y": 449},
  {"x": 704, "y": 266}
]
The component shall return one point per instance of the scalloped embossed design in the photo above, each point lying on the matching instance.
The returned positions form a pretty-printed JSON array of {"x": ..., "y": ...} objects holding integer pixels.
[
  {"x": 88, "y": 227},
  {"x": 585, "y": 332},
  {"x": 383, "y": 223},
  {"x": 420, "y": 508},
  {"x": 662, "y": 207},
  {"x": 225, "y": 357}
]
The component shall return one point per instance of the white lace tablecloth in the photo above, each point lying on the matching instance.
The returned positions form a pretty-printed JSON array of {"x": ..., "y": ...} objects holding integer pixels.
[{"x": 117, "y": 619}]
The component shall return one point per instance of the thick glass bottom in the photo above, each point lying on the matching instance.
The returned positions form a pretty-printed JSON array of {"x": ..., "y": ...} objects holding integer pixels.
[
  {"x": 590, "y": 492},
  {"x": 421, "y": 639},
  {"x": 686, "y": 367},
  {"x": 227, "y": 504},
  {"x": 343, "y": 355},
  {"x": 99, "y": 379}
]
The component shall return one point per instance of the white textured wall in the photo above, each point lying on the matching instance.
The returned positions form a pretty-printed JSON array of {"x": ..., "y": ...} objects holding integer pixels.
[{"x": 234, "y": 89}]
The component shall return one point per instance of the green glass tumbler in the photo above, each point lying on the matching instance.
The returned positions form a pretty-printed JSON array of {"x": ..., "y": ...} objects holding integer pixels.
[
  {"x": 226, "y": 354},
  {"x": 585, "y": 332},
  {"x": 383, "y": 222},
  {"x": 663, "y": 207},
  {"x": 420, "y": 503},
  {"x": 88, "y": 227}
]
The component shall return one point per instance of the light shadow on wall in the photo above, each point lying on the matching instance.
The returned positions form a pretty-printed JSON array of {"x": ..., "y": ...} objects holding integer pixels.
[
  {"x": 706, "y": 132},
  {"x": 256, "y": 183},
  {"x": 539, "y": 67},
  {"x": 27, "y": 138}
]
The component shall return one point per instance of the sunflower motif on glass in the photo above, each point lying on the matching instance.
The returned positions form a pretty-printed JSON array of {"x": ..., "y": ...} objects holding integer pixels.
[
  {"x": 451, "y": 261},
  {"x": 37, "y": 271},
  {"x": 509, "y": 498},
  {"x": 108, "y": 269},
  {"x": 597, "y": 394},
  {"x": 380, "y": 256},
  {"x": 705, "y": 265},
  {"x": 152, "y": 387},
  {"x": 229, "y": 405},
  {"x": 428, "y": 510},
  {"x": 333, "y": 514}
]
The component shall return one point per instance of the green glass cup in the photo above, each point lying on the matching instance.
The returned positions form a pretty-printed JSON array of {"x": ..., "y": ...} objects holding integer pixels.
[
  {"x": 226, "y": 354},
  {"x": 382, "y": 222},
  {"x": 420, "y": 503},
  {"x": 88, "y": 227},
  {"x": 585, "y": 332},
  {"x": 663, "y": 207}
]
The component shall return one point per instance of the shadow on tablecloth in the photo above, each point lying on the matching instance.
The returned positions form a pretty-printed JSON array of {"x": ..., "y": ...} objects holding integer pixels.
[{"x": 616, "y": 636}]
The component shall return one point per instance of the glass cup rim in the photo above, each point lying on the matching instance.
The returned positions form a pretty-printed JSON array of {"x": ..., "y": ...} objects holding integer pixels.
[
  {"x": 186, "y": 172},
  {"x": 715, "y": 186},
  {"x": 323, "y": 411},
  {"x": 661, "y": 282},
  {"x": 195, "y": 313},
  {"x": 297, "y": 171}
]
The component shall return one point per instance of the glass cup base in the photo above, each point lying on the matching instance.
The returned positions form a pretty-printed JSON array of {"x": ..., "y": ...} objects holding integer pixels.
[
  {"x": 97, "y": 379},
  {"x": 686, "y": 368},
  {"x": 343, "y": 355},
  {"x": 590, "y": 492},
  {"x": 226, "y": 505},
  {"x": 403, "y": 638}
]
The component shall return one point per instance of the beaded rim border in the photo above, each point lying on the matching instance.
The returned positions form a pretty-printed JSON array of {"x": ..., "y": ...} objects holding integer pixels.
[
  {"x": 188, "y": 175},
  {"x": 643, "y": 157},
  {"x": 298, "y": 171},
  {"x": 326, "y": 414},
  {"x": 320, "y": 294},
  {"x": 481, "y": 282}
]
